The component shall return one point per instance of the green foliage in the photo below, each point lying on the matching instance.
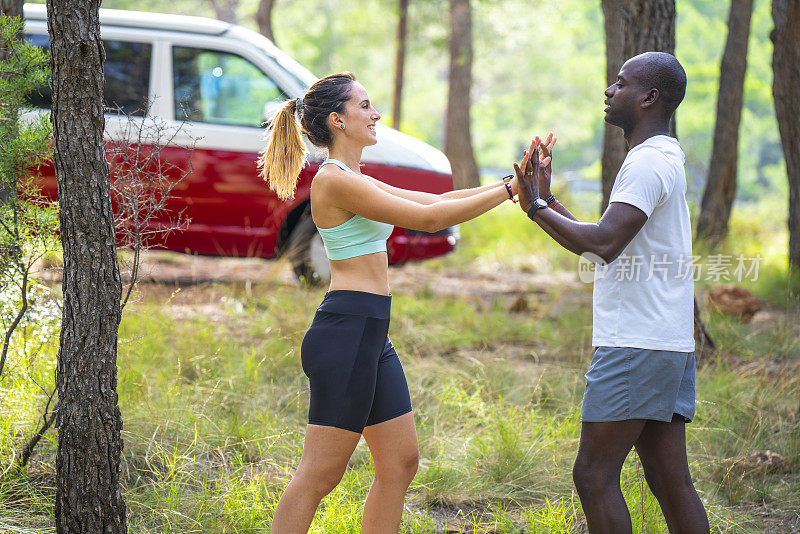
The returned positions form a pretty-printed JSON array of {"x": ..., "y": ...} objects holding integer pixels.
[
  {"x": 25, "y": 221},
  {"x": 22, "y": 146},
  {"x": 27, "y": 224},
  {"x": 29, "y": 315}
]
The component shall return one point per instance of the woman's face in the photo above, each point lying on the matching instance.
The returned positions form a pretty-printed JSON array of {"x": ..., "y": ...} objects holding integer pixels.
[{"x": 359, "y": 118}]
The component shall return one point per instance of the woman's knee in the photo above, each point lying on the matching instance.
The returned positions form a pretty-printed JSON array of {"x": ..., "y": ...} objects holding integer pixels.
[
  {"x": 398, "y": 470},
  {"x": 319, "y": 482}
]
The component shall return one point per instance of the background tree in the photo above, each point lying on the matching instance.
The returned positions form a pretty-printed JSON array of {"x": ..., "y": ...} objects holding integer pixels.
[
  {"x": 88, "y": 496},
  {"x": 457, "y": 134},
  {"x": 632, "y": 27},
  {"x": 786, "y": 69},
  {"x": 9, "y": 8},
  {"x": 712, "y": 224},
  {"x": 400, "y": 62},
  {"x": 226, "y": 10},
  {"x": 264, "y": 18}
]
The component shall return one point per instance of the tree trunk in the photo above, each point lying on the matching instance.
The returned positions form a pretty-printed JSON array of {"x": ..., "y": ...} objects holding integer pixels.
[
  {"x": 632, "y": 27},
  {"x": 226, "y": 10},
  {"x": 399, "y": 63},
  {"x": 457, "y": 136},
  {"x": 264, "y": 18},
  {"x": 88, "y": 496},
  {"x": 9, "y": 8},
  {"x": 786, "y": 73},
  {"x": 712, "y": 224}
]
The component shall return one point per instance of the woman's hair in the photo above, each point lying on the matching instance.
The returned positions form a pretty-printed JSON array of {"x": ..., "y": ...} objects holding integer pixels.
[{"x": 285, "y": 153}]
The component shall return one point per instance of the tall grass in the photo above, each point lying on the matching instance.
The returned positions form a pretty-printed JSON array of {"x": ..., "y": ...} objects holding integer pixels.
[
  {"x": 214, "y": 404},
  {"x": 496, "y": 424}
]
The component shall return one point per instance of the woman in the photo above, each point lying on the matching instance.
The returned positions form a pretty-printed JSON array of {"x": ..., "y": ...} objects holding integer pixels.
[{"x": 357, "y": 382}]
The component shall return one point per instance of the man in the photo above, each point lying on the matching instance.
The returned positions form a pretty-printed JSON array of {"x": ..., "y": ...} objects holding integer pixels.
[{"x": 640, "y": 384}]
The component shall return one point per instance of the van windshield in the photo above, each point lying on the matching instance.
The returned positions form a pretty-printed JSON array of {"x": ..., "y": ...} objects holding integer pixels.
[{"x": 301, "y": 75}]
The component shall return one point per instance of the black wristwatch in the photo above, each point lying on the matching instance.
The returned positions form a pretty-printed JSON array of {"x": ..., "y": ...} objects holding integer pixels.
[{"x": 537, "y": 205}]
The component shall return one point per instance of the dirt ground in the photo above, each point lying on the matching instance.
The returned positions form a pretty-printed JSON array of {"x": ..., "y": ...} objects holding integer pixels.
[{"x": 182, "y": 269}]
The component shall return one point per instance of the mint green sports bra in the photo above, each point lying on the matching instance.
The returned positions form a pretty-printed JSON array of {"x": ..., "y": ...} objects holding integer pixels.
[{"x": 356, "y": 236}]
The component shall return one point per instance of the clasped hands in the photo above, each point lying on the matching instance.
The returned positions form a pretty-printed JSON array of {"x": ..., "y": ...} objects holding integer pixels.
[{"x": 534, "y": 172}]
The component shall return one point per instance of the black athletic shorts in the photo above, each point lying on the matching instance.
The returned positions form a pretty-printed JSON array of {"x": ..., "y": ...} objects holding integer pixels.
[{"x": 356, "y": 376}]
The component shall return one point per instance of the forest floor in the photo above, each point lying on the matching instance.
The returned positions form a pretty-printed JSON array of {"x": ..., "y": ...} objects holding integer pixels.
[{"x": 214, "y": 404}]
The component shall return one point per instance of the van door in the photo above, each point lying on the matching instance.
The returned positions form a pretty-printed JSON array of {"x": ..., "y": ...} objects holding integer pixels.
[{"x": 220, "y": 96}]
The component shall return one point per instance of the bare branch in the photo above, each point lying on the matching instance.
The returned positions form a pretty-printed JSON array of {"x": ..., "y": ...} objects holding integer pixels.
[
  {"x": 143, "y": 182},
  {"x": 47, "y": 421},
  {"x": 17, "y": 320}
]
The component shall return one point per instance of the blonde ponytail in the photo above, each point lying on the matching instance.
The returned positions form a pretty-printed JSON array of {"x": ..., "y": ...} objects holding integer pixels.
[{"x": 285, "y": 153}]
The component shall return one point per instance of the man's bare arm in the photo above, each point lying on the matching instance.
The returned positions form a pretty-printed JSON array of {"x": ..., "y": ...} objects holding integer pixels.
[{"x": 607, "y": 238}]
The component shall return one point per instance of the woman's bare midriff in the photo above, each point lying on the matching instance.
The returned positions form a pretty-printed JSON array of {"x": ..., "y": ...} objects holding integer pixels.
[{"x": 368, "y": 273}]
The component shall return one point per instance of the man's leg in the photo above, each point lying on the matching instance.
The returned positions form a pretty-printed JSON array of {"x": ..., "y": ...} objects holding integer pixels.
[
  {"x": 662, "y": 450},
  {"x": 601, "y": 453}
]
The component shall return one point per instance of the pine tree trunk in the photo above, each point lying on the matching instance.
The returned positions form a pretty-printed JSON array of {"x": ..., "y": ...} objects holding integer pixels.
[
  {"x": 457, "y": 135},
  {"x": 9, "y": 8},
  {"x": 88, "y": 496},
  {"x": 225, "y": 10},
  {"x": 632, "y": 27},
  {"x": 786, "y": 73},
  {"x": 715, "y": 211},
  {"x": 264, "y": 18},
  {"x": 400, "y": 61}
]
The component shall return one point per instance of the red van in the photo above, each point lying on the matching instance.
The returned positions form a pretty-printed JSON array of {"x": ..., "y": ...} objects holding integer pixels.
[{"x": 216, "y": 84}]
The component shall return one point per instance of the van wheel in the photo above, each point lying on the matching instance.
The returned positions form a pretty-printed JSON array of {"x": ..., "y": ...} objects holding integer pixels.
[{"x": 307, "y": 254}]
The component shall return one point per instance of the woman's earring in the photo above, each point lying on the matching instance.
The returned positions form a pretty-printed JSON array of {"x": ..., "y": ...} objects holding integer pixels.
[{"x": 342, "y": 126}]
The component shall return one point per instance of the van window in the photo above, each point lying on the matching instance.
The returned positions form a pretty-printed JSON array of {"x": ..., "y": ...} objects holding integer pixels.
[
  {"x": 127, "y": 70},
  {"x": 220, "y": 88},
  {"x": 127, "y": 76},
  {"x": 42, "y": 97}
]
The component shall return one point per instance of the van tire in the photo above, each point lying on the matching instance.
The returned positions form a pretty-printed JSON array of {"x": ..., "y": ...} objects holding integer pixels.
[{"x": 305, "y": 251}]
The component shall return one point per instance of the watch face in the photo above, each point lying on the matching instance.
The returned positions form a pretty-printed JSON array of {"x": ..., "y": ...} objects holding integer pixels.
[{"x": 541, "y": 203}]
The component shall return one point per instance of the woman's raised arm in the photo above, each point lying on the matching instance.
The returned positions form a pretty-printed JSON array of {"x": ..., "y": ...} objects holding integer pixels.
[
  {"x": 429, "y": 198},
  {"x": 365, "y": 198}
]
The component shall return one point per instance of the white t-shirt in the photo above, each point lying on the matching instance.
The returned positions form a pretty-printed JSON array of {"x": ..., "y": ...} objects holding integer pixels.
[{"x": 645, "y": 297}]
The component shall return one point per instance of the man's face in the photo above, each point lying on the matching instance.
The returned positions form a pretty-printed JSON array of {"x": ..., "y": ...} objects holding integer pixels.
[{"x": 623, "y": 98}]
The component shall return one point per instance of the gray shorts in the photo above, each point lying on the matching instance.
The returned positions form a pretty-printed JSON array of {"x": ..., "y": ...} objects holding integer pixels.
[{"x": 628, "y": 383}]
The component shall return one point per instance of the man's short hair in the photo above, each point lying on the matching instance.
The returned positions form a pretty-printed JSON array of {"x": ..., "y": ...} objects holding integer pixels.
[{"x": 662, "y": 71}]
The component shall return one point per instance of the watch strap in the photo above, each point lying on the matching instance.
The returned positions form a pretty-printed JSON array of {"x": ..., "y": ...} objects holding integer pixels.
[{"x": 533, "y": 209}]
